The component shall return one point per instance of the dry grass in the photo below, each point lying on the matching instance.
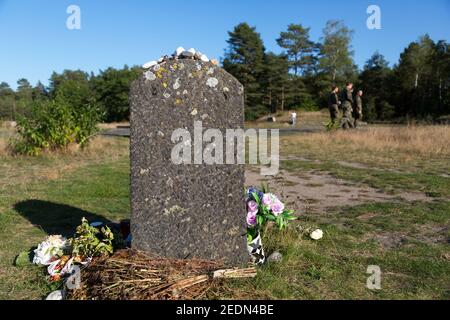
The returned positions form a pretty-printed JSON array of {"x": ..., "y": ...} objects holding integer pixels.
[
  {"x": 112, "y": 125},
  {"x": 111, "y": 148},
  {"x": 374, "y": 145},
  {"x": 426, "y": 141},
  {"x": 3, "y": 147},
  {"x": 21, "y": 170}
]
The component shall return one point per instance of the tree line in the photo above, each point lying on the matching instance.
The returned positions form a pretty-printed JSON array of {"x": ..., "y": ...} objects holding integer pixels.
[
  {"x": 107, "y": 92},
  {"x": 300, "y": 77}
]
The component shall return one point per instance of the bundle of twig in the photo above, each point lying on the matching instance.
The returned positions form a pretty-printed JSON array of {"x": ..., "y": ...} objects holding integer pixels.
[{"x": 134, "y": 275}]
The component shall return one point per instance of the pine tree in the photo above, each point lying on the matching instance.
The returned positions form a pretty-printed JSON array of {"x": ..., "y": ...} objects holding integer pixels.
[
  {"x": 275, "y": 81},
  {"x": 375, "y": 82},
  {"x": 244, "y": 59},
  {"x": 299, "y": 48}
]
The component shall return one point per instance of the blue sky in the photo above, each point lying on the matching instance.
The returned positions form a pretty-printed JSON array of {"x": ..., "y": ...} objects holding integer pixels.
[{"x": 35, "y": 41}]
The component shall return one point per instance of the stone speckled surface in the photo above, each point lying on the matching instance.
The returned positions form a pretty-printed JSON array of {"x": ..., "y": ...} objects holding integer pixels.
[{"x": 185, "y": 211}]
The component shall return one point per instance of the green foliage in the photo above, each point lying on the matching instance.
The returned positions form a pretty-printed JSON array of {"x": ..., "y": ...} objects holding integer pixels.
[
  {"x": 275, "y": 81},
  {"x": 23, "y": 259},
  {"x": 336, "y": 56},
  {"x": 332, "y": 125},
  {"x": 55, "y": 124},
  {"x": 92, "y": 242},
  {"x": 299, "y": 48},
  {"x": 244, "y": 59},
  {"x": 112, "y": 88}
]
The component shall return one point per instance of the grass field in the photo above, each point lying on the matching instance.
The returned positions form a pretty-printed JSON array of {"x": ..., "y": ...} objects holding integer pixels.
[{"x": 408, "y": 239}]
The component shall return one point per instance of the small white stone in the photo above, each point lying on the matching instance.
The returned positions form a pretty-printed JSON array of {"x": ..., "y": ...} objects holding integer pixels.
[
  {"x": 176, "y": 85},
  {"x": 149, "y": 75},
  {"x": 204, "y": 116},
  {"x": 198, "y": 55},
  {"x": 192, "y": 50},
  {"x": 210, "y": 71},
  {"x": 166, "y": 95},
  {"x": 316, "y": 234},
  {"x": 160, "y": 59},
  {"x": 156, "y": 68},
  {"x": 212, "y": 82},
  {"x": 149, "y": 64},
  {"x": 179, "y": 51},
  {"x": 275, "y": 257},
  {"x": 194, "y": 112},
  {"x": 198, "y": 66},
  {"x": 204, "y": 58},
  {"x": 185, "y": 92},
  {"x": 55, "y": 295},
  {"x": 225, "y": 89}
]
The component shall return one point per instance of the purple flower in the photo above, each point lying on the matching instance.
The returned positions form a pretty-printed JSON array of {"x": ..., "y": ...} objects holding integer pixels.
[
  {"x": 252, "y": 190},
  {"x": 267, "y": 199},
  {"x": 251, "y": 218},
  {"x": 252, "y": 206},
  {"x": 277, "y": 207}
]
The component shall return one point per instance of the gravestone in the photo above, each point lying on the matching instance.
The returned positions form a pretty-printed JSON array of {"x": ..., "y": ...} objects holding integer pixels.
[{"x": 185, "y": 210}]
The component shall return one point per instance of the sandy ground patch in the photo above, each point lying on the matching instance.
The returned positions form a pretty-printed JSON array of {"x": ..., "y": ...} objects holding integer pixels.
[{"x": 316, "y": 192}]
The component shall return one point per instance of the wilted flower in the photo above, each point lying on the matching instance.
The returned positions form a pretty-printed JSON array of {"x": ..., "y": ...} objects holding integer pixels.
[
  {"x": 49, "y": 249},
  {"x": 316, "y": 234}
]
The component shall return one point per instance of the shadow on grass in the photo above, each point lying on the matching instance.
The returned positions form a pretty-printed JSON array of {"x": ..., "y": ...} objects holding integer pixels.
[{"x": 55, "y": 218}]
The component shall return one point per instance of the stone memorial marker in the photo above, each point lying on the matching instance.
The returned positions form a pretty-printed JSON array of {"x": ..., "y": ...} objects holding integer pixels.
[{"x": 185, "y": 210}]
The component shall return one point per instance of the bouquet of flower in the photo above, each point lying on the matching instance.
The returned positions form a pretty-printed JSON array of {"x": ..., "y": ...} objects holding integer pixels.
[
  {"x": 50, "y": 250},
  {"x": 263, "y": 207}
]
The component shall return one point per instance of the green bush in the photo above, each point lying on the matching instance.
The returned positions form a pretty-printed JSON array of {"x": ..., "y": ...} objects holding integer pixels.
[
  {"x": 306, "y": 104},
  {"x": 54, "y": 125}
]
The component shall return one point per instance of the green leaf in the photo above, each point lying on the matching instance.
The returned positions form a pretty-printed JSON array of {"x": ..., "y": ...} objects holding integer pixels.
[{"x": 23, "y": 259}]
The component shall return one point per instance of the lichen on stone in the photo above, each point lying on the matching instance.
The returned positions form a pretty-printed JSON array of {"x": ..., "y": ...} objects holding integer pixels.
[
  {"x": 176, "y": 85},
  {"x": 212, "y": 82},
  {"x": 149, "y": 75}
]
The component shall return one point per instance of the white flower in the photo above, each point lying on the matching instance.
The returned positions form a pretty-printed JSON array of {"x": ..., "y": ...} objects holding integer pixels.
[
  {"x": 49, "y": 249},
  {"x": 316, "y": 234}
]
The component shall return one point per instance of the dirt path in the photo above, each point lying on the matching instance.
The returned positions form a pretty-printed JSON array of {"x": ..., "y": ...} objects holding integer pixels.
[{"x": 314, "y": 192}]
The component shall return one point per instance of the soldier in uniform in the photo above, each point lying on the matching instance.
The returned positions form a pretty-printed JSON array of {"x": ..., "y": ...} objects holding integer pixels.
[
  {"x": 333, "y": 104},
  {"x": 357, "y": 114},
  {"x": 347, "y": 106}
]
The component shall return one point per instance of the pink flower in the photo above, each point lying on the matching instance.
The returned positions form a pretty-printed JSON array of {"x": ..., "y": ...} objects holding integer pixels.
[
  {"x": 252, "y": 206},
  {"x": 267, "y": 199},
  {"x": 277, "y": 207},
  {"x": 252, "y": 210},
  {"x": 251, "y": 218}
]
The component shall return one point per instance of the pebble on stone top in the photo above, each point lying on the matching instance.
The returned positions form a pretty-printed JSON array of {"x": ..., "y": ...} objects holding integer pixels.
[{"x": 180, "y": 53}]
